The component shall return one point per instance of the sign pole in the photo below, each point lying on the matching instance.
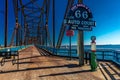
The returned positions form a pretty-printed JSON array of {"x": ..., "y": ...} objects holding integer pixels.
[
  {"x": 70, "y": 48},
  {"x": 80, "y": 45},
  {"x": 70, "y": 33}
]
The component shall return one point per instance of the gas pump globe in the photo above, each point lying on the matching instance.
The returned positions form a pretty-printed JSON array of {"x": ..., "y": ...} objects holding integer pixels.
[{"x": 93, "y": 38}]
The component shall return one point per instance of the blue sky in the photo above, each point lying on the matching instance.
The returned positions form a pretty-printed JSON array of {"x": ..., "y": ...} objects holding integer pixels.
[
  {"x": 106, "y": 13},
  {"x": 107, "y": 16}
]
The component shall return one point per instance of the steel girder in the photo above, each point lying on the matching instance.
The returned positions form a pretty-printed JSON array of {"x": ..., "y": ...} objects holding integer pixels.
[
  {"x": 63, "y": 27},
  {"x": 32, "y": 11}
]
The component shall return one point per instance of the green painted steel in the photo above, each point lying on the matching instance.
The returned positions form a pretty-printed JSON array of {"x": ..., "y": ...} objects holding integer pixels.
[{"x": 93, "y": 62}]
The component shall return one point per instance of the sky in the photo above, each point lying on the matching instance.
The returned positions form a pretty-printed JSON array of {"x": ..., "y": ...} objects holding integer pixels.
[{"x": 106, "y": 13}]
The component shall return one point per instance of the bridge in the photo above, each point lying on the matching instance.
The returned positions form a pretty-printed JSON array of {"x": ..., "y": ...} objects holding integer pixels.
[{"x": 34, "y": 52}]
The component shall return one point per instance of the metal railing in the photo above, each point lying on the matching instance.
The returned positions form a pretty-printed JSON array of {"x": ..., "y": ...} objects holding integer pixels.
[
  {"x": 11, "y": 53},
  {"x": 101, "y": 54}
]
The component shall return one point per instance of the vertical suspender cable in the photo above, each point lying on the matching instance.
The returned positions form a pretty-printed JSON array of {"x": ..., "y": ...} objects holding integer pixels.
[
  {"x": 6, "y": 23},
  {"x": 17, "y": 25},
  {"x": 46, "y": 24},
  {"x": 53, "y": 25},
  {"x": 21, "y": 29}
]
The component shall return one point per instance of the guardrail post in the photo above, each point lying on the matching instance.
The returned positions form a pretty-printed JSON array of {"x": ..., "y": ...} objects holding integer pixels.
[
  {"x": 114, "y": 54},
  {"x": 90, "y": 58},
  {"x": 86, "y": 53},
  {"x": 117, "y": 56},
  {"x": 56, "y": 51},
  {"x": 103, "y": 55},
  {"x": 18, "y": 61}
]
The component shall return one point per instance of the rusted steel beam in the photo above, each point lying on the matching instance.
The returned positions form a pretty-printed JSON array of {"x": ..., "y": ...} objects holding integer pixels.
[{"x": 63, "y": 27}]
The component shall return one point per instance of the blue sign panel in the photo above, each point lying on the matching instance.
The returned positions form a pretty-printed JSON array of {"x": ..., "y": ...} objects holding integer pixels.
[{"x": 79, "y": 18}]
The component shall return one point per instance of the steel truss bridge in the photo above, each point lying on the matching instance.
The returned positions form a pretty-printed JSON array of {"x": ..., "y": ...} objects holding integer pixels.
[{"x": 32, "y": 18}]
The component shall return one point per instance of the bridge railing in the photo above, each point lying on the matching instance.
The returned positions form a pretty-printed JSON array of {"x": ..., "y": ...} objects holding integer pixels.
[
  {"x": 12, "y": 50},
  {"x": 105, "y": 55},
  {"x": 60, "y": 51},
  {"x": 11, "y": 53},
  {"x": 101, "y": 54}
]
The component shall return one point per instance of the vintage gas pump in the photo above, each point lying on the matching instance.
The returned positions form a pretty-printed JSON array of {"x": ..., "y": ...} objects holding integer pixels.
[{"x": 93, "y": 55}]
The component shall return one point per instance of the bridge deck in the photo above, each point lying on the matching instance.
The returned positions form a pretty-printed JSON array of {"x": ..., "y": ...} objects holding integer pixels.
[{"x": 35, "y": 64}]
